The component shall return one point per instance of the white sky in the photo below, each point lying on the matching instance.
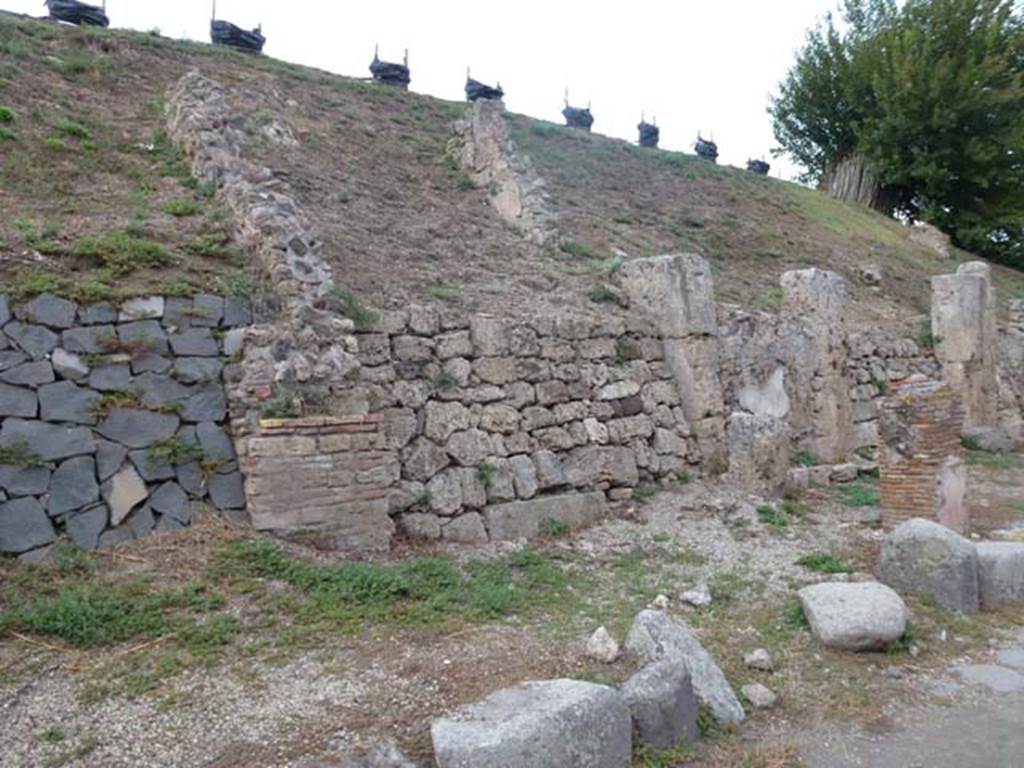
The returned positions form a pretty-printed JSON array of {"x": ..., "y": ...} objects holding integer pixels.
[{"x": 707, "y": 65}]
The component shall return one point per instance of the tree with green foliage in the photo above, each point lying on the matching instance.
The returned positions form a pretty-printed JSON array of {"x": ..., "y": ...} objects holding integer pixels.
[{"x": 916, "y": 110}]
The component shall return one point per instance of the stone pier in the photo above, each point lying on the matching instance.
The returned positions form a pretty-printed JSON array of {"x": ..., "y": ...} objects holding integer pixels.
[
  {"x": 966, "y": 339},
  {"x": 818, "y": 299},
  {"x": 678, "y": 294},
  {"x": 921, "y": 466}
]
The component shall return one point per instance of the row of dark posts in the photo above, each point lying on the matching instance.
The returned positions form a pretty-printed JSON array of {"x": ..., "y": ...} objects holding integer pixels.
[{"x": 387, "y": 72}]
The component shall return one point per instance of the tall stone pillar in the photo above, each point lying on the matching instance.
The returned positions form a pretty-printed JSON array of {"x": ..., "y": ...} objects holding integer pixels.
[
  {"x": 921, "y": 468},
  {"x": 678, "y": 293},
  {"x": 966, "y": 339},
  {"x": 818, "y": 300}
]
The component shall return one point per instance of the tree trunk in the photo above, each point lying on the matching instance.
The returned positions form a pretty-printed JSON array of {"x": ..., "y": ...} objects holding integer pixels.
[{"x": 852, "y": 179}]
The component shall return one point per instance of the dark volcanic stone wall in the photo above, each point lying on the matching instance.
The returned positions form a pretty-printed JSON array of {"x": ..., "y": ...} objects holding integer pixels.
[{"x": 112, "y": 418}]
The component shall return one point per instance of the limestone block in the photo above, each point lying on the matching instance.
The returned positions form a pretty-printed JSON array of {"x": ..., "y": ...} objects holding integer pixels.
[
  {"x": 525, "y": 519},
  {"x": 1000, "y": 573},
  {"x": 677, "y": 289},
  {"x": 925, "y": 557},
  {"x": 550, "y": 724},
  {"x": 861, "y": 616}
]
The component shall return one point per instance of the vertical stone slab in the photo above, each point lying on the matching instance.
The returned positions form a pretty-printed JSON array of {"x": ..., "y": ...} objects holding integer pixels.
[
  {"x": 966, "y": 339},
  {"x": 921, "y": 468},
  {"x": 677, "y": 293},
  {"x": 818, "y": 299}
]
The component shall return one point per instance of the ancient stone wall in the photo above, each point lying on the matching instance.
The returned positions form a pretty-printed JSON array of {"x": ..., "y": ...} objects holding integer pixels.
[
  {"x": 485, "y": 150},
  {"x": 502, "y": 426},
  {"x": 112, "y": 419}
]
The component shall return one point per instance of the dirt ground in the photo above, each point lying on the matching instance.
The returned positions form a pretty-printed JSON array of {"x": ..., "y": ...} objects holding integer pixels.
[{"x": 277, "y": 700}]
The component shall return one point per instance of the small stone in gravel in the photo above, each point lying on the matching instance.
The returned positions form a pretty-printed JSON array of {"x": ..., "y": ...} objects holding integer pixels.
[
  {"x": 698, "y": 597},
  {"x": 759, "y": 658},
  {"x": 759, "y": 696},
  {"x": 660, "y": 603},
  {"x": 602, "y": 646}
]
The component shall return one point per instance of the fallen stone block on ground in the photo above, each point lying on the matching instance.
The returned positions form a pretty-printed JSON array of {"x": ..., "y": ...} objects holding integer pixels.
[
  {"x": 656, "y": 636},
  {"x": 547, "y": 724},
  {"x": 1000, "y": 573},
  {"x": 927, "y": 558},
  {"x": 661, "y": 702},
  {"x": 864, "y": 616}
]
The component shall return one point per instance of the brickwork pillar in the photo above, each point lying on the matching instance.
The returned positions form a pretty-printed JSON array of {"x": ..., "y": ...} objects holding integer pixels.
[
  {"x": 322, "y": 480},
  {"x": 921, "y": 467}
]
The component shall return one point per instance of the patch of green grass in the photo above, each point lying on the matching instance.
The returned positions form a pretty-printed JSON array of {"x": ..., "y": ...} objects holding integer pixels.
[
  {"x": 554, "y": 528},
  {"x": 446, "y": 293},
  {"x": 180, "y": 208},
  {"x": 42, "y": 239},
  {"x": 772, "y": 516},
  {"x": 122, "y": 253},
  {"x": 926, "y": 338},
  {"x": 1001, "y": 461},
  {"x": 427, "y": 591},
  {"x": 857, "y": 494},
  {"x": 644, "y": 493},
  {"x": 646, "y": 757},
  {"x": 6, "y": 134},
  {"x": 683, "y": 477},
  {"x": 6, "y": 114},
  {"x": 580, "y": 251},
  {"x": 72, "y": 128},
  {"x": 464, "y": 183},
  {"x": 793, "y": 615},
  {"x": 445, "y": 381},
  {"x": 603, "y": 294},
  {"x": 53, "y": 735},
  {"x": 485, "y": 474},
  {"x": 53, "y": 144},
  {"x": 727, "y": 586},
  {"x": 806, "y": 459},
  {"x": 353, "y": 308},
  {"x": 174, "y": 450},
  {"x": 31, "y": 281},
  {"x": 20, "y": 455},
  {"x": 824, "y": 563}
]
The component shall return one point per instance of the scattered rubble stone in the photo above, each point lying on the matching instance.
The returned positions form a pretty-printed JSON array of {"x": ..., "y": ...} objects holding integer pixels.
[
  {"x": 759, "y": 696},
  {"x": 662, "y": 704},
  {"x": 602, "y": 646}
]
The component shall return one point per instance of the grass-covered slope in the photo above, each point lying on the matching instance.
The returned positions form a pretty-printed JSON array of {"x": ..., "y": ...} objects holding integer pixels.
[{"x": 94, "y": 202}]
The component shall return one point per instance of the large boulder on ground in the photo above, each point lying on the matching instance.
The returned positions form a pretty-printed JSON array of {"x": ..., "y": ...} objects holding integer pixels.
[
  {"x": 863, "y": 616},
  {"x": 656, "y": 636},
  {"x": 547, "y": 724},
  {"x": 1000, "y": 573},
  {"x": 661, "y": 701},
  {"x": 927, "y": 558}
]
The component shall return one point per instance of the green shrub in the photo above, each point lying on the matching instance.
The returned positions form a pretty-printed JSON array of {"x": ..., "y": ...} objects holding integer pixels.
[
  {"x": 603, "y": 294},
  {"x": 6, "y": 134},
  {"x": 554, "y": 528},
  {"x": 643, "y": 493},
  {"x": 53, "y": 144},
  {"x": 858, "y": 495},
  {"x": 180, "y": 208},
  {"x": 806, "y": 459},
  {"x": 580, "y": 251},
  {"x": 122, "y": 253},
  {"x": 71, "y": 128},
  {"x": 352, "y": 308},
  {"x": 770, "y": 515},
  {"x": 6, "y": 115}
]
